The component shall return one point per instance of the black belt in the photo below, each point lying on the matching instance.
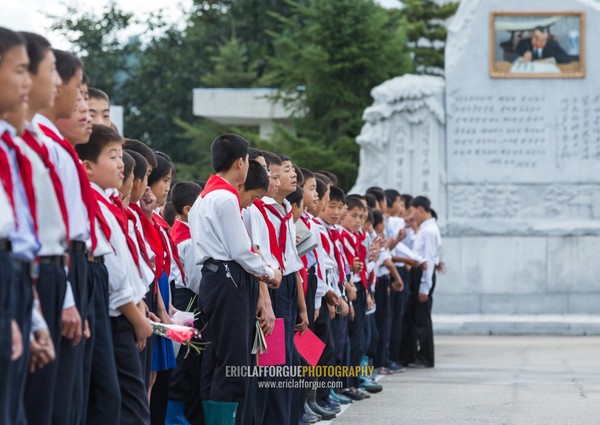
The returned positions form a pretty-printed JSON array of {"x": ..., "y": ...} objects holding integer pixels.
[
  {"x": 53, "y": 260},
  {"x": 5, "y": 245},
  {"x": 97, "y": 260},
  {"x": 213, "y": 265},
  {"x": 77, "y": 246}
]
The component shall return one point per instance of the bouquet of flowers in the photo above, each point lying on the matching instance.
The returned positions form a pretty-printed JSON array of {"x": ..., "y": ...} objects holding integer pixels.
[{"x": 184, "y": 335}]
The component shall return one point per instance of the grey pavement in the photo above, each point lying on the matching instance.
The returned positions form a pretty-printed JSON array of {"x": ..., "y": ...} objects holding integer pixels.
[{"x": 517, "y": 380}]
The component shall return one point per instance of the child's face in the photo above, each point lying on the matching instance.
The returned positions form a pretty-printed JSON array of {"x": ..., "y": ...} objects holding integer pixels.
[
  {"x": 288, "y": 179},
  {"x": 310, "y": 197},
  {"x": 333, "y": 212},
  {"x": 138, "y": 188},
  {"x": 322, "y": 203},
  {"x": 397, "y": 208},
  {"x": 45, "y": 84},
  {"x": 100, "y": 112},
  {"x": 78, "y": 127},
  {"x": 15, "y": 81},
  {"x": 352, "y": 219},
  {"x": 161, "y": 189},
  {"x": 248, "y": 197},
  {"x": 67, "y": 96},
  {"x": 367, "y": 226},
  {"x": 379, "y": 228},
  {"x": 126, "y": 188},
  {"x": 107, "y": 171},
  {"x": 274, "y": 181}
]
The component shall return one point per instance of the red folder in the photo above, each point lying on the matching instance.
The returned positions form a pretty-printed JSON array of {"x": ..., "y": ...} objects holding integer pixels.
[
  {"x": 309, "y": 346},
  {"x": 275, "y": 354}
]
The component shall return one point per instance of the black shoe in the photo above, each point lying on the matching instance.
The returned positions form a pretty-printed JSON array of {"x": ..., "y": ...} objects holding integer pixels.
[
  {"x": 325, "y": 413},
  {"x": 418, "y": 364},
  {"x": 353, "y": 395}
]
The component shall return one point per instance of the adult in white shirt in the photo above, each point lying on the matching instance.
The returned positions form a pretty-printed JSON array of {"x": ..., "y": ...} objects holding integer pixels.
[
  {"x": 418, "y": 330},
  {"x": 228, "y": 293}
]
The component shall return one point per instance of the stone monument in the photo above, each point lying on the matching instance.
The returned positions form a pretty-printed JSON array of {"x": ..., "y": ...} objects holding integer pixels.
[{"x": 518, "y": 171}]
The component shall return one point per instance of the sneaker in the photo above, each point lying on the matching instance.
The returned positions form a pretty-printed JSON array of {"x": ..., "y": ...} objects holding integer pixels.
[
  {"x": 339, "y": 398},
  {"x": 396, "y": 368},
  {"x": 370, "y": 386}
]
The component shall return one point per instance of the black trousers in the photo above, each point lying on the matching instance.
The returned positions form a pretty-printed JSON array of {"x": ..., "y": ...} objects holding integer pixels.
[
  {"x": 6, "y": 315},
  {"x": 104, "y": 395},
  {"x": 324, "y": 330},
  {"x": 228, "y": 308},
  {"x": 281, "y": 404},
  {"x": 184, "y": 379},
  {"x": 356, "y": 331},
  {"x": 398, "y": 302},
  {"x": 417, "y": 341},
  {"x": 41, "y": 385},
  {"x": 22, "y": 298},
  {"x": 134, "y": 398},
  {"x": 382, "y": 321},
  {"x": 146, "y": 353},
  {"x": 309, "y": 297},
  {"x": 68, "y": 406}
]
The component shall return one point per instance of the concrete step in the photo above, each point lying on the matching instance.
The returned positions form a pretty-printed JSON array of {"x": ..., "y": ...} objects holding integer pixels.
[{"x": 500, "y": 324}]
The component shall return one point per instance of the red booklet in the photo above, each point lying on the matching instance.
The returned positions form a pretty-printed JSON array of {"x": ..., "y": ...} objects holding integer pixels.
[
  {"x": 309, "y": 346},
  {"x": 275, "y": 353}
]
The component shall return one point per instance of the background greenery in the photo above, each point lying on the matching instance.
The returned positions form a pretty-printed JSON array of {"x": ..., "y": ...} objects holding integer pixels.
[{"x": 323, "y": 56}]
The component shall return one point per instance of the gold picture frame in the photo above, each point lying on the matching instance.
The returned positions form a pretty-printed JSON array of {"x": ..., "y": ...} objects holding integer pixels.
[{"x": 561, "y": 35}]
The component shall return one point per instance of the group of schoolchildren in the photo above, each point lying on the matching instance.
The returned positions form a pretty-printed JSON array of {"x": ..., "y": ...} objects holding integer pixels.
[{"x": 95, "y": 245}]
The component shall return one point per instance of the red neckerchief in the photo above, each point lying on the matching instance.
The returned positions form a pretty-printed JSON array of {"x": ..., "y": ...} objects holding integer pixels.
[
  {"x": 334, "y": 237},
  {"x": 218, "y": 183},
  {"x": 152, "y": 235},
  {"x": 84, "y": 183},
  {"x": 26, "y": 173},
  {"x": 7, "y": 183},
  {"x": 42, "y": 151},
  {"x": 273, "y": 244},
  {"x": 362, "y": 256},
  {"x": 173, "y": 252},
  {"x": 180, "y": 232},
  {"x": 282, "y": 240},
  {"x": 141, "y": 244},
  {"x": 116, "y": 209}
]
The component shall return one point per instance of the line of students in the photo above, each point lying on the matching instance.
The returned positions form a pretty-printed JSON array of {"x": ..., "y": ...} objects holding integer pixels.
[{"x": 86, "y": 259}]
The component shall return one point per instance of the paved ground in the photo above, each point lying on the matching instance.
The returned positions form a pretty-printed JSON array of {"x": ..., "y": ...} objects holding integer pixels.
[{"x": 492, "y": 380}]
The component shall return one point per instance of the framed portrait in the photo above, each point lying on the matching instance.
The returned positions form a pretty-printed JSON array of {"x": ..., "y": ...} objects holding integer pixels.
[{"x": 537, "y": 44}]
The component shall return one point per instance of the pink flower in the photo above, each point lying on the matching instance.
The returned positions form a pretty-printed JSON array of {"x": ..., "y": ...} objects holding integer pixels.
[{"x": 181, "y": 335}]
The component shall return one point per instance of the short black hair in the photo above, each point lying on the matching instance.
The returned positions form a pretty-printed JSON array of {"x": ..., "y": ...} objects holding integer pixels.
[
  {"x": 184, "y": 194},
  {"x": 371, "y": 200},
  {"x": 377, "y": 217},
  {"x": 226, "y": 149},
  {"x": 355, "y": 196},
  {"x": 421, "y": 201},
  {"x": 337, "y": 194},
  {"x": 377, "y": 192},
  {"x": 272, "y": 159},
  {"x": 95, "y": 93},
  {"x": 141, "y": 166},
  {"x": 129, "y": 163},
  {"x": 295, "y": 198},
  {"x": 369, "y": 216},
  {"x": 142, "y": 149},
  {"x": 254, "y": 153},
  {"x": 391, "y": 195},
  {"x": 406, "y": 198},
  {"x": 100, "y": 137},
  {"x": 66, "y": 65},
  {"x": 257, "y": 177},
  {"x": 169, "y": 214},
  {"x": 299, "y": 175},
  {"x": 307, "y": 174},
  {"x": 37, "y": 49},
  {"x": 164, "y": 167},
  {"x": 324, "y": 177},
  {"x": 8, "y": 40},
  {"x": 352, "y": 202},
  {"x": 85, "y": 80},
  {"x": 321, "y": 187},
  {"x": 332, "y": 177}
]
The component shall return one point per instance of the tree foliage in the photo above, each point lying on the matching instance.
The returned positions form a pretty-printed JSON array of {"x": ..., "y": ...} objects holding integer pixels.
[{"x": 427, "y": 33}]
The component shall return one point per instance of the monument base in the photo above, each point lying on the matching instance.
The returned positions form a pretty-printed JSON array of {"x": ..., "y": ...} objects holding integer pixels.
[{"x": 519, "y": 275}]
